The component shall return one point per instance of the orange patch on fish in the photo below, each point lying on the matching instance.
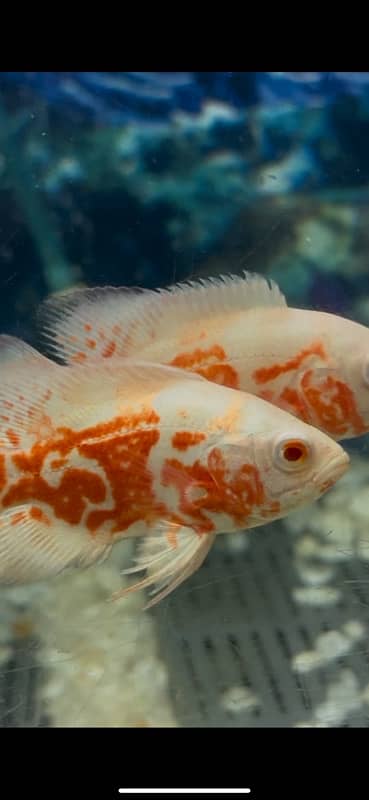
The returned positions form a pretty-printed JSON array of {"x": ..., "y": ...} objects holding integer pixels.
[
  {"x": 91, "y": 343},
  {"x": 182, "y": 477},
  {"x": 12, "y": 437},
  {"x": 266, "y": 394},
  {"x": 68, "y": 500},
  {"x": 109, "y": 349},
  {"x": 39, "y": 515},
  {"x": 182, "y": 440},
  {"x": 211, "y": 363},
  {"x": 79, "y": 357},
  {"x": 123, "y": 458},
  {"x": 329, "y": 404},
  {"x": 2, "y": 473},
  {"x": 131, "y": 487},
  {"x": 291, "y": 401},
  {"x": 236, "y": 495},
  {"x": 19, "y": 517},
  {"x": 334, "y": 405},
  {"x": 266, "y": 374},
  {"x": 58, "y": 463}
]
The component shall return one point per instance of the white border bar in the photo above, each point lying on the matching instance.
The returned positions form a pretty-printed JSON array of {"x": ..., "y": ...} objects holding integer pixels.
[{"x": 184, "y": 791}]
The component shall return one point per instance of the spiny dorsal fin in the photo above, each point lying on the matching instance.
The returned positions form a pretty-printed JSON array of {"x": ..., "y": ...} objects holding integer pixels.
[
  {"x": 37, "y": 395},
  {"x": 26, "y": 389},
  {"x": 13, "y": 349},
  {"x": 81, "y": 323},
  {"x": 129, "y": 379},
  {"x": 100, "y": 323}
]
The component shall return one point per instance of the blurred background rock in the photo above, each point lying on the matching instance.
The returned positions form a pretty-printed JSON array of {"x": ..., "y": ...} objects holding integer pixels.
[{"x": 146, "y": 178}]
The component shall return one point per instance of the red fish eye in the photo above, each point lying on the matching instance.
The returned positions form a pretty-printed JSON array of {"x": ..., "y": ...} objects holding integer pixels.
[
  {"x": 295, "y": 451},
  {"x": 292, "y": 454}
]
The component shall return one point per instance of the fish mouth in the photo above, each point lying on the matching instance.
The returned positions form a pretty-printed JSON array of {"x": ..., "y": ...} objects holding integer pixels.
[{"x": 332, "y": 472}]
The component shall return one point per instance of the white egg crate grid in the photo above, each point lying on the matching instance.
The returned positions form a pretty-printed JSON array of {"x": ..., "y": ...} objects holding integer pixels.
[{"x": 241, "y": 651}]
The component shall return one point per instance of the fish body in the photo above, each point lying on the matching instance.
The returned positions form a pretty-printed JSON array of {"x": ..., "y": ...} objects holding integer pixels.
[
  {"x": 93, "y": 453},
  {"x": 236, "y": 331}
]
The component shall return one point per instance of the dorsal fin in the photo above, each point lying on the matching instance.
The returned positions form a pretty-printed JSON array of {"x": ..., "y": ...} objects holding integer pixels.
[
  {"x": 80, "y": 324},
  {"x": 12, "y": 349},
  {"x": 26, "y": 388},
  {"x": 36, "y": 394},
  {"x": 131, "y": 380},
  {"x": 90, "y": 324}
]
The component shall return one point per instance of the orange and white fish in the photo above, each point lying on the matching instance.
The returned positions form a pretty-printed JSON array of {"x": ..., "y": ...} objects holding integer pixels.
[
  {"x": 234, "y": 330},
  {"x": 91, "y": 454}
]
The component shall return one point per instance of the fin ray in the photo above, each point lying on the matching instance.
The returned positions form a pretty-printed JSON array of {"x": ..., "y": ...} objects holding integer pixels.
[
  {"x": 35, "y": 549},
  {"x": 25, "y": 391},
  {"x": 37, "y": 395},
  {"x": 180, "y": 560},
  {"x": 107, "y": 322}
]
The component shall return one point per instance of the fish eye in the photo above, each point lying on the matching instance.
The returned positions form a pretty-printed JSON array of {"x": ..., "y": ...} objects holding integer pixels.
[{"x": 292, "y": 453}]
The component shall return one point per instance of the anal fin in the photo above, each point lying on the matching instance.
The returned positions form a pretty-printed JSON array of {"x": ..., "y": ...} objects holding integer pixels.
[{"x": 169, "y": 555}]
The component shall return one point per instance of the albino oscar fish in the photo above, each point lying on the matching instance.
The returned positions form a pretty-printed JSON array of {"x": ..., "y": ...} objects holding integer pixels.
[
  {"x": 90, "y": 454},
  {"x": 234, "y": 330}
]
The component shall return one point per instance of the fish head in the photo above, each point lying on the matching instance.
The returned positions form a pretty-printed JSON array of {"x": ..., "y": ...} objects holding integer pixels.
[
  {"x": 269, "y": 474},
  {"x": 299, "y": 464}
]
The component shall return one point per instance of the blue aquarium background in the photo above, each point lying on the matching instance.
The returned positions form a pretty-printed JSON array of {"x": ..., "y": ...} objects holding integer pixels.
[{"x": 144, "y": 179}]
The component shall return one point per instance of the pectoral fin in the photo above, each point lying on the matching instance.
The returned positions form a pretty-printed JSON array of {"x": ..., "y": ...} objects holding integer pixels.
[{"x": 169, "y": 555}]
